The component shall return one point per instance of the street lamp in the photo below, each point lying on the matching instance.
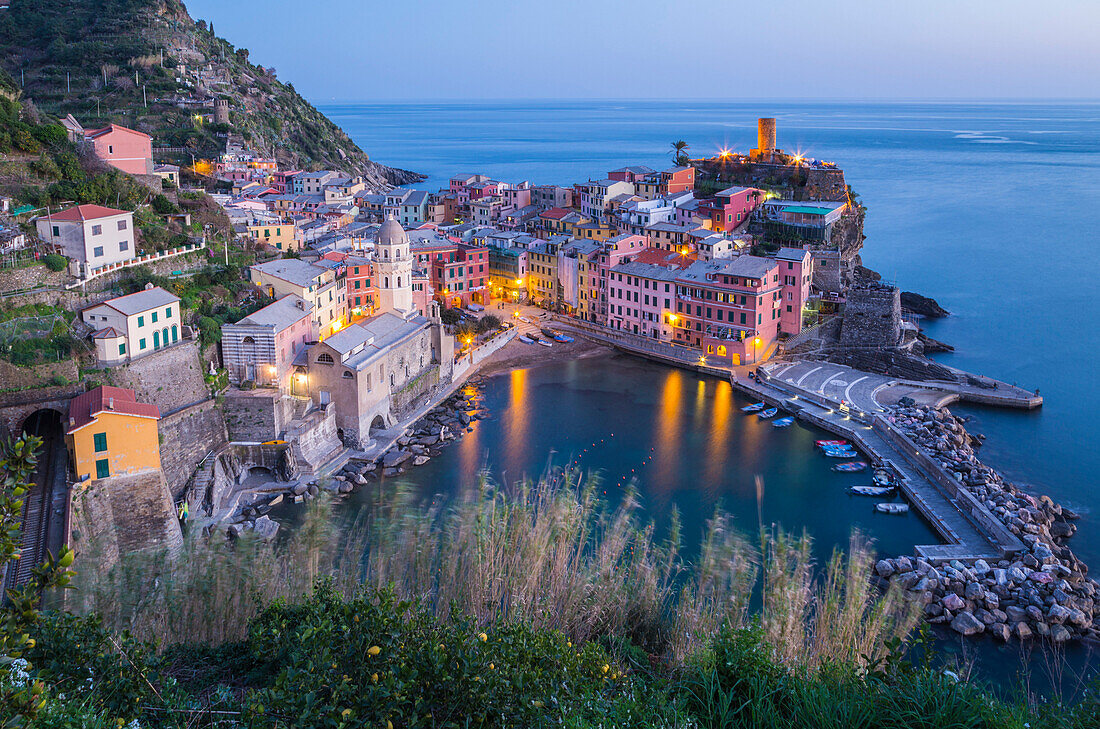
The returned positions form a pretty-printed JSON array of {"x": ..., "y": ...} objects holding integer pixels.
[{"x": 755, "y": 344}]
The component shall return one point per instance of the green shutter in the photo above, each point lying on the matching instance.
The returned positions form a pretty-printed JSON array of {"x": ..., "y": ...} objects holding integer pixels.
[
  {"x": 100, "y": 440},
  {"x": 102, "y": 468}
]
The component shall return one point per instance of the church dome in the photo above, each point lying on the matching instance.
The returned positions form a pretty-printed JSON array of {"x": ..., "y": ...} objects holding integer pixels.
[{"x": 391, "y": 233}]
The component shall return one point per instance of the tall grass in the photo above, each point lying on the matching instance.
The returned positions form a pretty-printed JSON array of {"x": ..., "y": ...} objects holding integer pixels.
[{"x": 548, "y": 553}]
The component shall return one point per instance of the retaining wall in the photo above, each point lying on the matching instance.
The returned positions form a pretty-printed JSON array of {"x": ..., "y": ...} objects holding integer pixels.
[{"x": 187, "y": 435}]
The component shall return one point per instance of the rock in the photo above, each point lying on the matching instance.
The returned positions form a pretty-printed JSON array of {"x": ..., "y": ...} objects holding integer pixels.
[
  {"x": 1017, "y": 575},
  {"x": 313, "y": 490},
  {"x": 884, "y": 567},
  {"x": 1062, "y": 529},
  {"x": 265, "y": 528},
  {"x": 395, "y": 458},
  {"x": 1058, "y": 614},
  {"x": 1043, "y": 578},
  {"x": 953, "y": 602},
  {"x": 992, "y": 602},
  {"x": 1023, "y": 632},
  {"x": 1015, "y": 614},
  {"x": 974, "y": 591},
  {"x": 345, "y": 487},
  {"x": 981, "y": 567},
  {"x": 1059, "y": 634},
  {"x": 1000, "y": 631},
  {"x": 360, "y": 479},
  {"x": 966, "y": 624},
  {"x": 420, "y": 460}
]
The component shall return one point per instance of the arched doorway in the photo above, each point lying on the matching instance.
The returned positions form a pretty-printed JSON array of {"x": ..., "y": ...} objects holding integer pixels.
[{"x": 376, "y": 426}]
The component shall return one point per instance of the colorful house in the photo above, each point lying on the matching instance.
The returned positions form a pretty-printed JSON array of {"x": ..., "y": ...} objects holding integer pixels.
[
  {"x": 110, "y": 433},
  {"x": 124, "y": 149},
  {"x": 91, "y": 236},
  {"x": 132, "y": 326},
  {"x": 261, "y": 347}
]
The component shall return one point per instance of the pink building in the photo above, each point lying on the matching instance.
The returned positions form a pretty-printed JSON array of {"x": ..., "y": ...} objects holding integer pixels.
[
  {"x": 641, "y": 293},
  {"x": 282, "y": 181},
  {"x": 361, "y": 289},
  {"x": 677, "y": 179},
  {"x": 730, "y": 208},
  {"x": 633, "y": 173},
  {"x": 795, "y": 274},
  {"x": 609, "y": 254},
  {"x": 729, "y": 309},
  {"x": 261, "y": 347},
  {"x": 124, "y": 149}
]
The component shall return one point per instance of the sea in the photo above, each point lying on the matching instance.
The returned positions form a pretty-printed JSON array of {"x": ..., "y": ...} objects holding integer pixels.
[{"x": 990, "y": 207}]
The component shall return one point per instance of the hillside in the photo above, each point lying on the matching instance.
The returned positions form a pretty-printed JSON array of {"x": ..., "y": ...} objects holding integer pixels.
[{"x": 145, "y": 64}]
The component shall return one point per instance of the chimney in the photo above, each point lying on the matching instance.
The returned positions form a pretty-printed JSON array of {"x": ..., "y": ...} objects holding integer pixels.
[
  {"x": 301, "y": 304},
  {"x": 72, "y": 421},
  {"x": 148, "y": 286},
  {"x": 110, "y": 403}
]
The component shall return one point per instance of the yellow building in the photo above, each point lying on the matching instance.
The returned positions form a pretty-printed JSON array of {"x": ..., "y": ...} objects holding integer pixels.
[
  {"x": 594, "y": 231},
  {"x": 283, "y": 236},
  {"x": 110, "y": 433},
  {"x": 542, "y": 272}
]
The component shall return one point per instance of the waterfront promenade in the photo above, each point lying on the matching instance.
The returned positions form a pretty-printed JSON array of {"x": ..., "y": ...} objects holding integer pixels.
[{"x": 843, "y": 401}]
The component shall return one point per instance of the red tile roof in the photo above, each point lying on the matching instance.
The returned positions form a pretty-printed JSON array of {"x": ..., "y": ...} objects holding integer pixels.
[
  {"x": 668, "y": 259},
  {"x": 84, "y": 408},
  {"x": 555, "y": 213},
  {"x": 85, "y": 212},
  {"x": 96, "y": 133}
]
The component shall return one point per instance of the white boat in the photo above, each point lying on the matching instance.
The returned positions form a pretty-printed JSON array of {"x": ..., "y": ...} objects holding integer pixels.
[
  {"x": 526, "y": 339},
  {"x": 754, "y": 408},
  {"x": 872, "y": 490},
  {"x": 783, "y": 422},
  {"x": 769, "y": 413},
  {"x": 841, "y": 454},
  {"x": 544, "y": 343},
  {"x": 892, "y": 508},
  {"x": 524, "y": 319}
]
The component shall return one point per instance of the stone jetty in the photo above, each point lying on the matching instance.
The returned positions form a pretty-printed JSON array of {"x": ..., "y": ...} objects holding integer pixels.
[{"x": 1044, "y": 591}]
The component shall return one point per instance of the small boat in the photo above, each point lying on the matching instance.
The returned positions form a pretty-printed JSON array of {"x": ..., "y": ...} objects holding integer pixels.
[
  {"x": 841, "y": 454},
  {"x": 524, "y": 319},
  {"x": 754, "y": 408},
  {"x": 871, "y": 490},
  {"x": 882, "y": 477},
  {"x": 892, "y": 508},
  {"x": 544, "y": 343},
  {"x": 850, "y": 467},
  {"x": 769, "y": 413},
  {"x": 526, "y": 339},
  {"x": 828, "y": 443},
  {"x": 783, "y": 422},
  {"x": 555, "y": 335},
  {"x": 558, "y": 336}
]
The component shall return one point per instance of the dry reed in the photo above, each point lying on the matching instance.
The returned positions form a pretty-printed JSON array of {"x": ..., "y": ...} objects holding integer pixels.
[{"x": 549, "y": 553}]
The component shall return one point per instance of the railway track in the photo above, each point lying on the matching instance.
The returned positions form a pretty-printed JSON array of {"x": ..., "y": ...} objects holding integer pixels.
[{"x": 37, "y": 506}]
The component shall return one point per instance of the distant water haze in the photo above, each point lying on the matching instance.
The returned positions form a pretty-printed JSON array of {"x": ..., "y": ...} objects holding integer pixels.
[{"x": 989, "y": 208}]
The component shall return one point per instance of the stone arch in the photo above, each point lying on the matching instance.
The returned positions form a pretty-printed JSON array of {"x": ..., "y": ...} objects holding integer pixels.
[
  {"x": 43, "y": 420},
  {"x": 376, "y": 425}
]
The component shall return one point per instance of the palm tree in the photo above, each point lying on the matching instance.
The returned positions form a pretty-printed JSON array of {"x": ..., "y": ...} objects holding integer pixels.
[{"x": 681, "y": 148}]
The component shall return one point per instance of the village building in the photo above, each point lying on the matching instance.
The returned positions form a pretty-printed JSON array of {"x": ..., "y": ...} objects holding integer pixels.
[
  {"x": 321, "y": 284},
  {"x": 261, "y": 348},
  {"x": 128, "y": 327},
  {"x": 124, "y": 149},
  {"x": 110, "y": 433},
  {"x": 90, "y": 236}
]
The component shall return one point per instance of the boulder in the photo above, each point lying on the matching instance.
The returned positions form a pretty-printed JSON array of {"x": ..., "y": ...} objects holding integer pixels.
[
  {"x": 1023, "y": 632},
  {"x": 265, "y": 528},
  {"x": 1058, "y": 614},
  {"x": 966, "y": 624},
  {"x": 420, "y": 460},
  {"x": 953, "y": 602},
  {"x": 1016, "y": 614},
  {"x": 1000, "y": 631},
  {"x": 1059, "y": 634},
  {"x": 884, "y": 567}
]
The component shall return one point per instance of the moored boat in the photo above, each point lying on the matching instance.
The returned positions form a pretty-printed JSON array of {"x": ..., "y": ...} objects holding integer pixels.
[
  {"x": 871, "y": 490},
  {"x": 850, "y": 467},
  {"x": 882, "y": 477},
  {"x": 892, "y": 508},
  {"x": 769, "y": 413},
  {"x": 754, "y": 408},
  {"x": 544, "y": 343},
  {"x": 783, "y": 422},
  {"x": 841, "y": 453},
  {"x": 526, "y": 339},
  {"x": 829, "y": 443}
]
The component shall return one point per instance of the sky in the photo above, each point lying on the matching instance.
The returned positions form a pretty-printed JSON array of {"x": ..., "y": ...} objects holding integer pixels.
[{"x": 366, "y": 50}]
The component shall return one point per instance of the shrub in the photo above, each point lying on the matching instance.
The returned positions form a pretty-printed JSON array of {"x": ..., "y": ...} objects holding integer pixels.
[
  {"x": 450, "y": 316},
  {"x": 56, "y": 263},
  {"x": 164, "y": 206},
  {"x": 488, "y": 323}
]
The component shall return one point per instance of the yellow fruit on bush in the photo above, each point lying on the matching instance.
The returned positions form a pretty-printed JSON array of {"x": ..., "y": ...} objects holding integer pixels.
[
  {"x": 374, "y": 678},
  {"x": 605, "y": 668},
  {"x": 482, "y": 637},
  {"x": 373, "y": 650}
]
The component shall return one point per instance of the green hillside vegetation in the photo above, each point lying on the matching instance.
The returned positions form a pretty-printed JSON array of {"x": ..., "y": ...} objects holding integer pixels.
[{"x": 127, "y": 61}]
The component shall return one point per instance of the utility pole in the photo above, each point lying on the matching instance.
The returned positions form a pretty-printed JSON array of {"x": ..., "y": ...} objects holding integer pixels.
[
  {"x": 68, "y": 83},
  {"x": 144, "y": 98}
]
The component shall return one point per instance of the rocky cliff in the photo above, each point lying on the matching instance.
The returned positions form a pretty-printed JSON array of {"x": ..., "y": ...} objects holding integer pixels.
[{"x": 147, "y": 65}]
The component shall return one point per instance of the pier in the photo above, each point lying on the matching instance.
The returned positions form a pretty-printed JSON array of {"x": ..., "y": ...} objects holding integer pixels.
[{"x": 848, "y": 403}]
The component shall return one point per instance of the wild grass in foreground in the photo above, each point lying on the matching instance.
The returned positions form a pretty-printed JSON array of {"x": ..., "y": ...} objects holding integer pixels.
[{"x": 538, "y": 606}]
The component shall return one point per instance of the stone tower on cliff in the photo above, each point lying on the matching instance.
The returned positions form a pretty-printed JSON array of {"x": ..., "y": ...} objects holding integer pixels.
[
  {"x": 393, "y": 270},
  {"x": 221, "y": 111}
]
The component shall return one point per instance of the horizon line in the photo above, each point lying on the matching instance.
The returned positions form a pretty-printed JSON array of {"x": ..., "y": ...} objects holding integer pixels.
[{"x": 713, "y": 99}]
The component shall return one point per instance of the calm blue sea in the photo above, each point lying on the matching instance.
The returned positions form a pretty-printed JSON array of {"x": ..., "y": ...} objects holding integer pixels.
[{"x": 991, "y": 208}]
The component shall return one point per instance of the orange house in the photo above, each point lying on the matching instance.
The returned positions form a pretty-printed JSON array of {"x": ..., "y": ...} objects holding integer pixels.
[{"x": 110, "y": 433}]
